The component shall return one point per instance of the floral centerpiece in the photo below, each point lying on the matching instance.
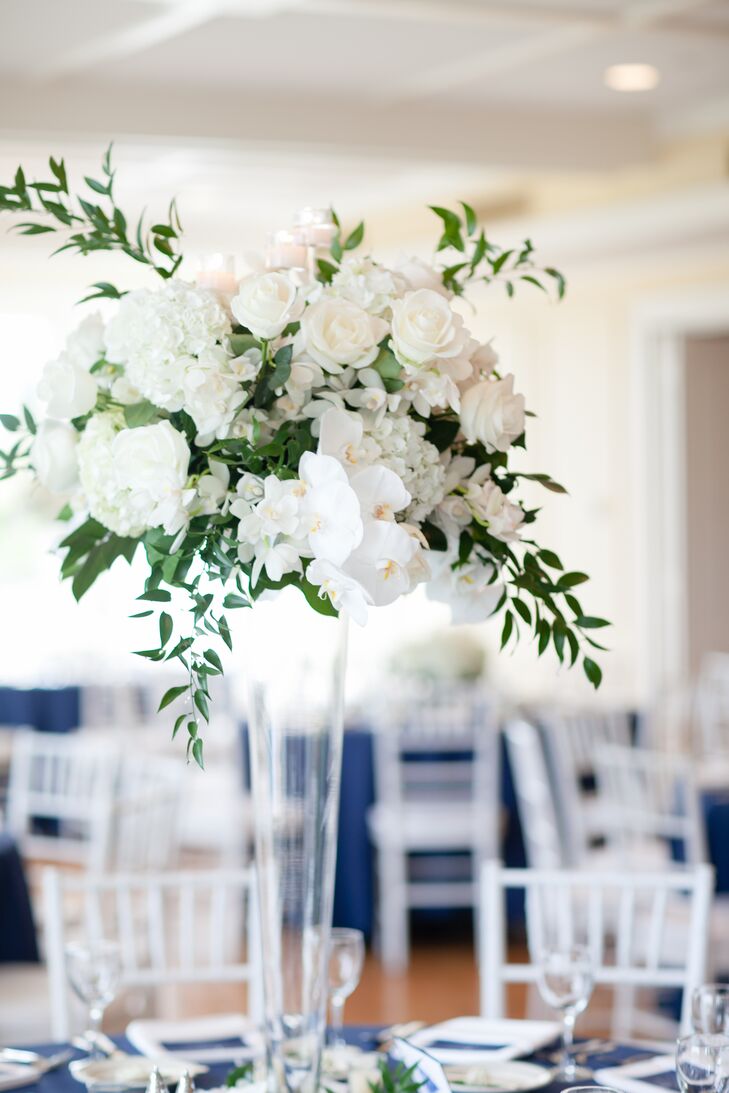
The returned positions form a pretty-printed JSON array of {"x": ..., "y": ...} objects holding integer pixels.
[{"x": 327, "y": 422}]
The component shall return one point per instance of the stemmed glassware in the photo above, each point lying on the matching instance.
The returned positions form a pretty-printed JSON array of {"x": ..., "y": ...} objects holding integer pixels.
[
  {"x": 702, "y": 1063},
  {"x": 94, "y": 970},
  {"x": 710, "y": 1009},
  {"x": 565, "y": 981},
  {"x": 346, "y": 958}
]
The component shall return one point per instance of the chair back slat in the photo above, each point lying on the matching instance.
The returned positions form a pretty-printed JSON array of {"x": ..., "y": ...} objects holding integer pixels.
[
  {"x": 621, "y": 917},
  {"x": 173, "y": 928}
]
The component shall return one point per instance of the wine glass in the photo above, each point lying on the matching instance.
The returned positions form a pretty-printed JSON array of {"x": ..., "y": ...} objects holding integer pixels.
[
  {"x": 565, "y": 981},
  {"x": 94, "y": 970},
  {"x": 710, "y": 1009},
  {"x": 696, "y": 1063},
  {"x": 346, "y": 957}
]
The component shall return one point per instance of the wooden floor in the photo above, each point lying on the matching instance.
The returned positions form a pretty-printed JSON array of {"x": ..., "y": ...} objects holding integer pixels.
[{"x": 440, "y": 982}]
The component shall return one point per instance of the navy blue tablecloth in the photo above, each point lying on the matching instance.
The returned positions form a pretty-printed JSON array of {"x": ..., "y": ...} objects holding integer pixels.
[
  {"x": 60, "y": 1081},
  {"x": 45, "y": 709},
  {"x": 17, "y": 930}
]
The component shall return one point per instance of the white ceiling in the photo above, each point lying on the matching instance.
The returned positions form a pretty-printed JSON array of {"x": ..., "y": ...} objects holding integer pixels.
[
  {"x": 249, "y": 108},
  {"x": 491, "y": 82}
]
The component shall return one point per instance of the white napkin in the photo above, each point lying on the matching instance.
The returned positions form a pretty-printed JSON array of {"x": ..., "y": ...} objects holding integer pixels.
[
  {"x": 473, "y": 1040},
  {"x": 220, "y": 1038},
  {"x": 15, "y": 1075}
]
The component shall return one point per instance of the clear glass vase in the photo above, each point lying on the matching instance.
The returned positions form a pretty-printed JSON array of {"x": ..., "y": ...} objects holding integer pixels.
[{"x": 295, "y": 663}]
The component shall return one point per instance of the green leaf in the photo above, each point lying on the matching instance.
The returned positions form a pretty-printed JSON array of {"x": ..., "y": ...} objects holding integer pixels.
[
  {"x": 202, "y": 703},
  {"x": 387, "y": 365},
  {"x": 165, "y": 628},
  {"x": 178, "y": 723},
  {"x": 29, "y": 421},
  {"x": 592, "y": 671},
  {"x": 571, "y": 580},
  {"x": 590, "y": 622},
  {"x": 197, "y": 752},
  {"x": 355, "y": 237},
  {"x": 521, "y": 608},
  {"x": 97, "y": 187},
  {"x": 142, "y": 614},
  {"x": 140, "y": 413},
  {"x": 156, "y": 595},
  {"x": 169, "y": 697},
  {"x": 10, "y": 422},
  {"x": 212, "y": 658},
  {"x": 471, "y": 221},
  {"x": 451, "y": 228},
  {"x": 550, "y": 558},
  {"x": 58, "y": 169},
  {"x": 232, "y": 601},
  {"x": 241, "y": 343},
  {"x": 507, "y": 628},
  {"x": 225, "y": 631}
]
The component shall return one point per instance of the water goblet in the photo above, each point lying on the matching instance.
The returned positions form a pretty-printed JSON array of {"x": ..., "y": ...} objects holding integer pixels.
[
  {"x": 696, "y": 1058},
  {"x": 565, "y": 981},
  {"x": 94, "y": 970},
  {"x": 346, "y": 958},
  {"x": 710, "y": 1009}
]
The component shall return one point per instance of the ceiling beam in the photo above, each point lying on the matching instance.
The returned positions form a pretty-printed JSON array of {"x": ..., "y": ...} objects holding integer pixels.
[{"x": 510, "y": 137}]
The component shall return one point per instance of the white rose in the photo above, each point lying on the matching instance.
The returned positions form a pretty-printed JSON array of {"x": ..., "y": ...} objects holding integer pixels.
[
  {"x": 266, "y": 303},
  {"x": 493, "y": 414},
  {"x": 368, "y": 284},
  {"x": 488, "y": 502},
  {"x": 419, "y": 274},
  {"x": 424, "y": 328},
  {"x": 54, "y": 456},
  {"x": 151, "y": 462},
  {"x": 338, "y": 333},
  {"x": 67, "y": 389}
]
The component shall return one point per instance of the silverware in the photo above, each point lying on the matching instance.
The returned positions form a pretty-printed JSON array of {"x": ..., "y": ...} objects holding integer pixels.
[{"x": 43, "y": 1063}]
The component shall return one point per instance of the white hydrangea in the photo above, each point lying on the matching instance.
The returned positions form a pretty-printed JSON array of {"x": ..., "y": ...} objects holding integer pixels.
[
  {"x": 404, "y": 449},
  {"x": 157, "y": 337},
  {"x": 107, "y": 501},
  {"x": 369, "y": 285}
]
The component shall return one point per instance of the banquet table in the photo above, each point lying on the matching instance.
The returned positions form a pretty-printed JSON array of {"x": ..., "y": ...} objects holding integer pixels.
[
  {"x": 18, "y": 943},
  {"x": 364, "y": 1036}
]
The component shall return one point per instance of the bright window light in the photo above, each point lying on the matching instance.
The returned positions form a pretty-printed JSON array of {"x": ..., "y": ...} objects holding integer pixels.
[{"x": 631, "y": 77}]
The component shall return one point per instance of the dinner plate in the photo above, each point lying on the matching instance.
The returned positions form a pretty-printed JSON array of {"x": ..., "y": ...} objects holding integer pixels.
[
  {"x": 506, "y": 1077},
  {"x": 120, "y": 1071}
]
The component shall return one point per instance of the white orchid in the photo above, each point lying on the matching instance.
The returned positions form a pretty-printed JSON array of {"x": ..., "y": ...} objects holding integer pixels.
[
  {"x": 380, "y": 563},
  {"x": 342, "y": 590},
  {"x": 329, "y": 508},
  {"x": 381, "y": 493},
  {"x": 341, "y": 434}
]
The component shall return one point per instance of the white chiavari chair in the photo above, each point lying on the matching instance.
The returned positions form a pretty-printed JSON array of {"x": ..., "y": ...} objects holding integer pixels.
[
  {"x": 650, "y": 804},
  {"x": 437, "y": 790},
  {"x": 643, "y": 930},
  {"x": 69, "y": 781},
  {"x": 535, "y": 799},
  {"x": 172, "y": 929},
  {"x": 571, "y": 738},
  {"x": 144, "y": 826}
]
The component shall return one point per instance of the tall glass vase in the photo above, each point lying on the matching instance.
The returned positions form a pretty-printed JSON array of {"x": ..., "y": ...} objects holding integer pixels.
[{"x": 295, "y": 661}]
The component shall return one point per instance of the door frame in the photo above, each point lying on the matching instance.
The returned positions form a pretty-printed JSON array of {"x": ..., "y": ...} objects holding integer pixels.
[{"x": 659, "y": 330}]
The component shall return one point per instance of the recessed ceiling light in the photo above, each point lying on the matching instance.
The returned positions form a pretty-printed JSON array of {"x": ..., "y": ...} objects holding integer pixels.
[{"x": 631, "y": 77}]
